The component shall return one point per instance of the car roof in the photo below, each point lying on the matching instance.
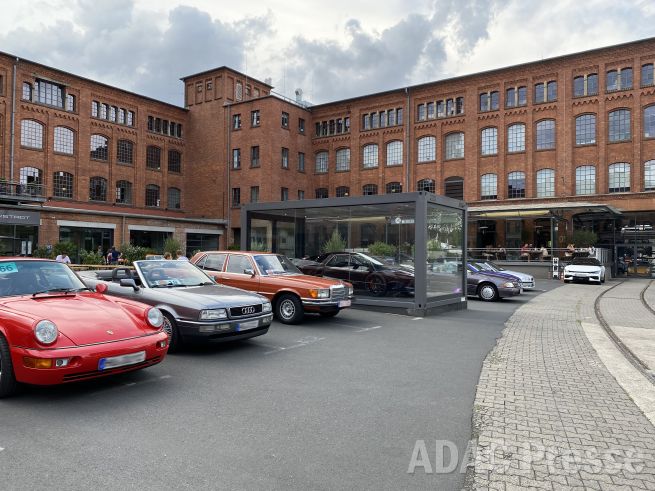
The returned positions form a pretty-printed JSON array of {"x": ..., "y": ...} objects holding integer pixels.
[
  {"x": 21, "y": 258},
  {"x": 241, "y": 252}
]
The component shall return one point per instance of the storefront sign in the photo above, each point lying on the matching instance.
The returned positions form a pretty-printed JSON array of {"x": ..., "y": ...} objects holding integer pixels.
[{"x": 18, "y": 217}]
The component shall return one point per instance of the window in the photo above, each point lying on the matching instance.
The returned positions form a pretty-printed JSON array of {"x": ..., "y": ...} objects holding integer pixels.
[
  {"x": 95, "y": 108},
  {"x": 489, "y": 186},
  {"x": 236, "y": 158},
  {"x": 585, "y": 129},
  {"x": 113, "y": 110},
  {"x": 254, "y": 156},
  {"x": 455, "y": 146},
  {"x": 31, "y": 134},
  {"x": 301, "y": 194},
  {"x": 236, "y": 197},
  {"x": 121, "y": 116},
  {"x": 174, "y": 199},
  {"x": 31, "y": 176},
  {"x": 285, "y": 120},
  {"x": 125, "y": 152},
  {"x": 238, "y": 91},
  {"x": 539, "y": 93},
  {"x": 284, "y": 194},
  {"x": 430, "y": 110},
  {"x": 238, "y": 264},
  {"x": 27, "y": 91},
  {"x": 426, "y": 185},
  {"x": 285, "y": 158},
  {"x": 321, "y": 193},
  {"x": 152, "y": 195},
  {"x": 49, "y": 93},
  {"x": 70, "y": 102},
  {"x": 647, "y": 78},
  {"x": 516, "y": 138},
  {"x": 649, "y": 122},
  {"x": 619, "y": 125},
  {"x": 625, "y": 78},
  {"x": 62, "y": 185},
  {"x": 104, "y": 109},
  {"x": 489, "y": 141},
  {"x": 254, "y": 118},
  {"x": 484, "y": 101},
  {"x": 489, "y": 101},
  {"x": 301, "y": 162},
  {"x": 395, "y": 153},
  {"x": 301, "y": 126},
  {"x": 236, "y": 121},
  {"x": 343, "y": 159},
  {"x": 153, "y": 157},
  {"x": 99, "y": 148},
  {"x": 619, "y": 178},
  {"x": 454, "y": 187},
  {"x": 394, "y": 187},
  {"x": 592, "y": 84},
  {"x": 516, "y": 185},
  {"x": 545, "y": 183},
  {"x": 516, "y": 96},
  {"x": 522, "y": 96},
  {"x": 64, "y": 140},
  {"x": 254, "y": 194},
  {"x": 130, "y": 122},
  {"x": 124, "y": 192},
  {"x": 174, "y": 161},
  {"x": 649, "y": 175},
  {"x": 551, "y": 91},
  {"x": 578, "y": 86},
  {"x": 510, "y": 97},
  {"x": 546, "y": 134},
  {"x": 369, "y": 189},
  {"x": 98, "y": 189},
  {"x": 321, "y": 162},
  {"x": 618, "y": 79},
  {"x": 545, "y": 91},
  {"x": 427, "y": 149},
  {"x": 370, "y": 159},
  {"x": 421, "y": 112},
  {"x": 343, "y": 191},
  {"x": 584, "y": 85},
  {"x": 585, "y": 179}
]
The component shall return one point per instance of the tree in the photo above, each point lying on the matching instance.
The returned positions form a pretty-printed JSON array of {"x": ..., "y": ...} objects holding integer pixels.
[
  {"x": 584, "y": 238},
  {"x": 172, "y": 245},
  {"x": 334, "y": 244}
]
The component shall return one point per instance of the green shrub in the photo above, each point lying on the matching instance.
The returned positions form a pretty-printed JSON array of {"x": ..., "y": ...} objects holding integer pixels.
[
  {"x": 42, "y": 251},
  {"x": 334, "y": 244},
  {"x": 380, "y": 248},
  {"x": 584, "y": 238},
  {"x": 258, "y": 246},
  {"x": 91, "y": 257},
  {"x": 234, "y": 247},
  {"x": 172, "y": 245},
  {"x": 68, "y": 248},
  {"x": 133, "y": 253}
]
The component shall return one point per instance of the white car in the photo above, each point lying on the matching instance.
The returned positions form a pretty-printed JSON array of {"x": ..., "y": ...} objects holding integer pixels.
[
  {"x": 584, "y": 269},
  {"x": 527, "y": 280}
]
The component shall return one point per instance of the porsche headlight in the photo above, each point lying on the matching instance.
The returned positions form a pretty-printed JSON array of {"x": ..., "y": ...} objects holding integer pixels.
[
  {"x": 155, "y": 317},
  {"x": 213, "y": 315},
  {"x": 46, "y": 332},
  {"x": 266, "y": 307}
]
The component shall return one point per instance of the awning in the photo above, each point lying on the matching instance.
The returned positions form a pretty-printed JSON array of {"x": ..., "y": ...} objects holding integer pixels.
[{"x": 539, "y": 210}]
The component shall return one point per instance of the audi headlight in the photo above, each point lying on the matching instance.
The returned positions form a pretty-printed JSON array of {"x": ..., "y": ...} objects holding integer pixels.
[
  {"x": 46, "y": 332},
  {"x": 266, "y": 307},
  {"x": 155, "y": 317},
  {"x": 213, "y": 314}
]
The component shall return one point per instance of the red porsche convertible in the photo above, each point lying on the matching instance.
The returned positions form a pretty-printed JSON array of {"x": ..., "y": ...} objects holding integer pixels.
[{"x": 54, "y": 330}]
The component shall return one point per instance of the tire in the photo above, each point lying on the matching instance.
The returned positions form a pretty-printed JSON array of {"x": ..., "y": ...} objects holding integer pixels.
[
  {"x": 487, "y": 292},
  {"x": 288, "y": 309},
  {"x": 8, "y": 383},
  {"x": 170, "y": 328},
  {"x": 332, "y": 313},
  {"x": 602, "y": 280},
  {"x": 376, "y": 285}
]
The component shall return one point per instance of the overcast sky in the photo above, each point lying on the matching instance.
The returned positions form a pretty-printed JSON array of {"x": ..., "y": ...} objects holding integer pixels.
[{"x": 332, "y": 50}]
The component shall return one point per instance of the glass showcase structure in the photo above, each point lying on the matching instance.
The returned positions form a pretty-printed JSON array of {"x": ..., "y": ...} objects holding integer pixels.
[{"x": 400, "y": 251}]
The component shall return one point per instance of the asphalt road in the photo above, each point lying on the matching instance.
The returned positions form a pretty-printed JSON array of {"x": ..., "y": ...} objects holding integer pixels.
[{"x": 331, "y": 404}]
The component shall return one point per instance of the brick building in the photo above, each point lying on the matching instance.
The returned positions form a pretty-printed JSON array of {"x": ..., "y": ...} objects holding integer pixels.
[{"x": 577, "y": 131}]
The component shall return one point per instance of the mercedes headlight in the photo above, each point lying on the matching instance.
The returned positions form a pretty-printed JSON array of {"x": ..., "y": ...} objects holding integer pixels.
[
  {"x": 155, "y": 317},
  {"x": 213, "y": 314},
  {"x": 266, "y": 307},
  {"x": 46, "y": 332},
  {"x": 320, "y": 293}
]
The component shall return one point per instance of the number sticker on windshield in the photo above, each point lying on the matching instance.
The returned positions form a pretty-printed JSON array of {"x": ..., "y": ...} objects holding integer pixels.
[{"x": 7, "y": 268}]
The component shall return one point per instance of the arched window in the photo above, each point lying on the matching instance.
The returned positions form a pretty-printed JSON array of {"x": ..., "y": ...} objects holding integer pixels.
[
  {"x": 174, "y": 198},
  {"x": 454, "y": 187},
  {"x": 516, "y": 138},
  {"x": 427, "y": 149},
  {"x": 649, "y": 122},
  {"x": 619, "y": 125},
  {"x": 545, "y": 134},
  {"x": 153, "y": 158},
  {"x": 394, "y": 187},
  {"x": 98, "y": 189},
  {"x": 343, "y": 159},
  {"x": 125, "y": 152},
  {"x": 321, "y": 193},
  {"x": 395, "y": 153},
  {"x": 585, "y": 179},
  {"x": 649, "y": 175},
  {"x": 516, "y": 185},
  {"x": 30, "y": 175},
  {"x": 343, "y": 191},
  {"x": 369, "y": 189},
  {"x": 62, "y": 185},
  {"x": 31, "y": 134},
  {"x": 124, "y": 192},
  {"x": 370, "y": 159},
  {"x": 619, "y": 177},
  {"x": 585, "y": 129},
  {"x": 455, "y": 146},
  {"x": 64, "y": 140},
  {"x": 152, "y": 195},
  {"x": 426, "y": 185},
  {"x": 174, "y": 161},
  {"x": 647, "y": 75},
  {"x": 489, "y": 186},
  {"x": 321, "y": 162},
  {"x": 99, "y": 147},
  {"x": 489, "y": 141},
  {"x": 545, "y": 183}
]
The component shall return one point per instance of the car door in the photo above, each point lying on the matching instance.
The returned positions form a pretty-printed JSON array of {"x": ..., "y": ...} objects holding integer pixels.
[
  {"x": 240, "y": 272},
  {"x": 359, "y": 271},
  {"x": 213, "y": 265}
]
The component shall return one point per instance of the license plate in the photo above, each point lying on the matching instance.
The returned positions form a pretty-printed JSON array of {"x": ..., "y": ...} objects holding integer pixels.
[
  {"x": 344, "y": 303},
  {"x": 121, "y": 361},
  {"x": 244, "y": 326}
]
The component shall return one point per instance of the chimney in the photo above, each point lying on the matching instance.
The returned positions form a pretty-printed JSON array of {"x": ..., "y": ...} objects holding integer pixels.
[{"x": 299, "y": 95}]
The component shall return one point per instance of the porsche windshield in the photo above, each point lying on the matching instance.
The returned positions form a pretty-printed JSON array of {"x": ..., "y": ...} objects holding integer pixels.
[
  {"x": 32, "y": 277},
  {"x": 272, "y": 264},
  {"x": 169, "y": 274}
]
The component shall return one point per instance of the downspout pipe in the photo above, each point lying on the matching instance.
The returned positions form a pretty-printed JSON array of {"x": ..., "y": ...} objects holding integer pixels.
[
  {"x": 12, "y": 132},
  {"x": 408, "y": 186}
]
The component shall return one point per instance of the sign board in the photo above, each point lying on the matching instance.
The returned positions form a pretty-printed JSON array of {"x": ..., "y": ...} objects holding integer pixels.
[{"x": 19, "y": 217}]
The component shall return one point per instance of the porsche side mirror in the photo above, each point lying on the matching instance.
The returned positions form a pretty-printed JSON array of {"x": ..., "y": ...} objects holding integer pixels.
[
  {"x": 251, "y": 272},
  {"x": 129, "y": 282}
]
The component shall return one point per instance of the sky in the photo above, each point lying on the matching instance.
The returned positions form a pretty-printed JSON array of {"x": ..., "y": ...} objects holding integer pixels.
[{"x": 331, "y": 50}]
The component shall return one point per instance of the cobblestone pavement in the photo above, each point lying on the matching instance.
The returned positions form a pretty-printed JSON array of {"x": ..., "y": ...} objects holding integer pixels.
[{"x": 548, "y": 414}]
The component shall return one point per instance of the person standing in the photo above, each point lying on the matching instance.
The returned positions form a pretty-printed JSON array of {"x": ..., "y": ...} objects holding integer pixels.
[
  {"x": 180, "y": 257},
  {"x": 63, "y": 258},
  {"x": 113, "y": 255}
]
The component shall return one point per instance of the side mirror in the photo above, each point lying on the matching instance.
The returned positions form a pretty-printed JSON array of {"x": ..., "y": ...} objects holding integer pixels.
[
  {"x": 355, "y": 266},
  {"x": 101, "y": 288},
  {"x": 251, "y": 272},
  {"x": 129, "y": 282}
]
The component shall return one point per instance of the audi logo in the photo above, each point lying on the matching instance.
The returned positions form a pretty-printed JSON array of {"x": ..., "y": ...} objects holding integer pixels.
[{"x": 248, "y": 310}]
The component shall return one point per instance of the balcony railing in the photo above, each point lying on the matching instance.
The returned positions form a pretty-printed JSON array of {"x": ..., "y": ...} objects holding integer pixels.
[{"x": 22, "y": 192}]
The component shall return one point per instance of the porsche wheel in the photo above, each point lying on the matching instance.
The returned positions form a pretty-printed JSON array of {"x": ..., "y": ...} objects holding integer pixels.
[
  {"x": 288, "y": 309},
  {"x": 376, "y": 285},
  {"x": 487, "y": 292},
  {"x": 170, "y": 328},
  {"x": 7, "y": 377}
]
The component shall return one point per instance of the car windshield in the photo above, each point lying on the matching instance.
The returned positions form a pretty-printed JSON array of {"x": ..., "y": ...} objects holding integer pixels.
[
  {"x": 33, "y": 277},
  {"x": 367, "y": 259},
  {"x": 275, "y": 264},
  {"x": 165, "y": 274},
  {"x": 494, "y": 266}
]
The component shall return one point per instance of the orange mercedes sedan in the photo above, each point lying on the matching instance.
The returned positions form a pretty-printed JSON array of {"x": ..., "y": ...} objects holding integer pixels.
[{"x": 291, "y": 292}]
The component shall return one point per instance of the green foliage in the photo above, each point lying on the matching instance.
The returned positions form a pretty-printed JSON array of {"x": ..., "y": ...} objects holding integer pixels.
[
  {"x": 258, "y": 246},
  {"x": 91, "y": 257},
  {"x": 65, "y": 247},
  {"x": 380, "y": 248},
  {"x": 434, "y": 245},
  {"x": 133, "y": 253},
  {"x": 42, "y": 251},
  {"x": 234, "y": 247},
  {"x": 584, "y": 238},
  {"x": 172, "y": 245},
  {"x": 334, "y": 244}
]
